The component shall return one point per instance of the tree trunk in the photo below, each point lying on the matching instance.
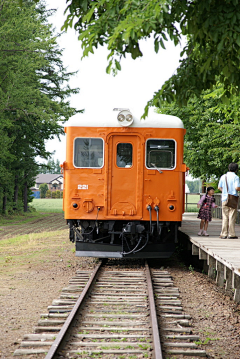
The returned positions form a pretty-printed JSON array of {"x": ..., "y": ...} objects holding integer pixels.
[
  {"x": 204, "y": 186},
  {"x": 25, "y": 202},
  {"x": 16, "y": 189},
  {"x": 4, "y": 207}
]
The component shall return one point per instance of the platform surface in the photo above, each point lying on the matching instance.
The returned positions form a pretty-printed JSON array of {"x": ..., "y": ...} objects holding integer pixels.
[{"x": 226, "y": 251}]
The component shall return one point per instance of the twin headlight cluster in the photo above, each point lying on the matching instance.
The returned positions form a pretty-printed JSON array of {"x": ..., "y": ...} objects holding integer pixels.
[{"x": 125, "y": 118}]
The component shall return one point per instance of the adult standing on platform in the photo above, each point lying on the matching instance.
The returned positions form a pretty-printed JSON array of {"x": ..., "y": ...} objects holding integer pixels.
[{"x": 229, "y": 214}]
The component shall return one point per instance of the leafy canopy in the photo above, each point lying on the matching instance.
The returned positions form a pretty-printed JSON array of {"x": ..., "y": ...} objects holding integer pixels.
[
  {"x": 212, "y": 29},
  {"x": 213, "y": 130}
]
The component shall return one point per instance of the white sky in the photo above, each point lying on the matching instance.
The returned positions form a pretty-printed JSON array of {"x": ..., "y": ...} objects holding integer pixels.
[{"x": 133, "y": 86}]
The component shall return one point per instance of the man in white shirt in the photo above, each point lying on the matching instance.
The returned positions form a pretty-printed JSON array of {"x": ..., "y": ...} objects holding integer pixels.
[{"x": 229, "y": 214}]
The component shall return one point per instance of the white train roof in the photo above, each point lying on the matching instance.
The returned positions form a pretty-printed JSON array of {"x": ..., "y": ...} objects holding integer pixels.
[{"x": 108, "y": 118}]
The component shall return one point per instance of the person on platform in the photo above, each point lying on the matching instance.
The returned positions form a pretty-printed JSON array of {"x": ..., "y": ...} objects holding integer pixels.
[
  {"x": 205, "y": 214},
  {"x": 229, "y": 214}
]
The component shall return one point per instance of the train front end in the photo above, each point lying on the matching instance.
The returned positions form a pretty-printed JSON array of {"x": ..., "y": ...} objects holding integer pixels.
[{"x": 124, "y": 183}]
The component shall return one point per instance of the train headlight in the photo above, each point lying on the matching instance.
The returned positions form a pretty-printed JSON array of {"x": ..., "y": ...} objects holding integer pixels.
[
  {"x": 125, "y": 118},
  {"x": 121, "y": 118},
  {"x": 171, "y": 207},
  {"x": 129, "y": 117}
]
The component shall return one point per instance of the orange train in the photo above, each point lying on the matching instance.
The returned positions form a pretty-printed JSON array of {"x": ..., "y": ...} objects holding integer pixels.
[{"x": 124, "y": 184}]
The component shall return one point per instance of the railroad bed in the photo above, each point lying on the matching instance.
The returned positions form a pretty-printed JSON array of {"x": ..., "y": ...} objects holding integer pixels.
[
  {"x": 114, "y": 312},
  {"x": 220, "y": 257}
]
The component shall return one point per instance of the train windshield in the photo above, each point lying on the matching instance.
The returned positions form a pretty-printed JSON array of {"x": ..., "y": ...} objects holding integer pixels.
[
  {"x": 124, "y": 155},
  {"x": 160, "y": 154},
  {"x": 88, "y": 152}
]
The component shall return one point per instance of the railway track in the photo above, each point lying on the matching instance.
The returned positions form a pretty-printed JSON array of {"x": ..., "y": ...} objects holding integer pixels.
[{"x": 115, "y": 312}]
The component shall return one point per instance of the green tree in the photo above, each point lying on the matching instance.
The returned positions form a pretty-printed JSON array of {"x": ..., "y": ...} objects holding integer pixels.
[
  {"x": 193, "y": 186},
  {"x": 57, "y": 166},
  {"x": 211, "y": 27},
  {"x": 213, "y": 130},
  {"x": 43, "y": 190},
  {"x": 33, "y": 96},
  {"x": 50, "y": 167}
]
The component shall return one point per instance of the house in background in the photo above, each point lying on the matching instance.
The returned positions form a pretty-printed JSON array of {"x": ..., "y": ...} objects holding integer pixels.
[{"x": 54, "y": 182}]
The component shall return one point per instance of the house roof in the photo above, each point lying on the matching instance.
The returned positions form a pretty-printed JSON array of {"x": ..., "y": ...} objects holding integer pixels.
[{"x": 49, "y": 178}]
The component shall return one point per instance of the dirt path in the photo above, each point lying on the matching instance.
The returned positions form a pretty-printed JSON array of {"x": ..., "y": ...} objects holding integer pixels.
[{"x": 33, "y": 270}]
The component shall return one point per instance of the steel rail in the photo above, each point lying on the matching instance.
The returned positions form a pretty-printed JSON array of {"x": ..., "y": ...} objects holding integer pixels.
[
  {"x": 59, "y": 339},
  {"x": 153, "y": 317}
]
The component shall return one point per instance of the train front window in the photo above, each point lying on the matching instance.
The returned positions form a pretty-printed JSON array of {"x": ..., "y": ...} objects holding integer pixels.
[
  {"x": 88, "y": 152},
  {"x": 124, "y": 155},
  {"x": 160, "y": 154}
]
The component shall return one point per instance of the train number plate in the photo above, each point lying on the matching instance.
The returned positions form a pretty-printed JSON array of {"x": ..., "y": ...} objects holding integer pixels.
[{"x": 83, "y": 186}]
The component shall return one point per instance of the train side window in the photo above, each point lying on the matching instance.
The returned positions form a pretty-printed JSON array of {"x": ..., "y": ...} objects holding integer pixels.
[
  {"x": 160, "y": 154},
  {"x": 88, "y": 152},
  {"x": 124, "y": 155}
]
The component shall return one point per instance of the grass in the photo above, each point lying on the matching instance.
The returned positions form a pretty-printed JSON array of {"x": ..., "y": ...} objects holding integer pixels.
[
  {"x": 39, "y": 209},
  {"x": 18, "y": 252},
  {"x": 192, "y": 200},
  {"x": 206, "y": 341},
  {"x": 22, "y": 218},
  {"x": 47, "y": 205}
]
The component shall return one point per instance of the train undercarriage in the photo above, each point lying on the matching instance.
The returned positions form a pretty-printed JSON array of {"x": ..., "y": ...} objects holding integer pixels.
[{"x": 123, "y": 239}]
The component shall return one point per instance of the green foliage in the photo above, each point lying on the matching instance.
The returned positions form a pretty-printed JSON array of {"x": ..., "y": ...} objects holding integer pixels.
[
  {"x": 51, "y": 167},
  {"x": 191, "y": 268},
  {"x": 57, "y": 193},
  {"x": 48, "y": 194},
  {"x": 193, "y": 186},
  {"x": 54, "y": 194},
  {"x": 33, "y": 97},
  {"x": 212, "y": 30},
  {"x": 213, "y": 130},
  {"x": 121, "y": 24},
  {"x": 43, "y": 190},
  {"x": 206, "y": 341}
]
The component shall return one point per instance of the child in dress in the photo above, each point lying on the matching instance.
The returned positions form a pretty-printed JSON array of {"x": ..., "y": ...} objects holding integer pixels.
[{"x": 206, "y": 202}]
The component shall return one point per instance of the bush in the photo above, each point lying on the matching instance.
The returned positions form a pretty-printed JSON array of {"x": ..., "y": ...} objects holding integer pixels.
[
  {"x": 57, "y": 194},
  {"x": 43, "y": 190},
  {"x": 48, "y": 194}
]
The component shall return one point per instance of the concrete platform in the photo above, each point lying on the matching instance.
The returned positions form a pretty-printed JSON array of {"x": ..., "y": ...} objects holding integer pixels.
[{"x": 221, "y": 256}]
